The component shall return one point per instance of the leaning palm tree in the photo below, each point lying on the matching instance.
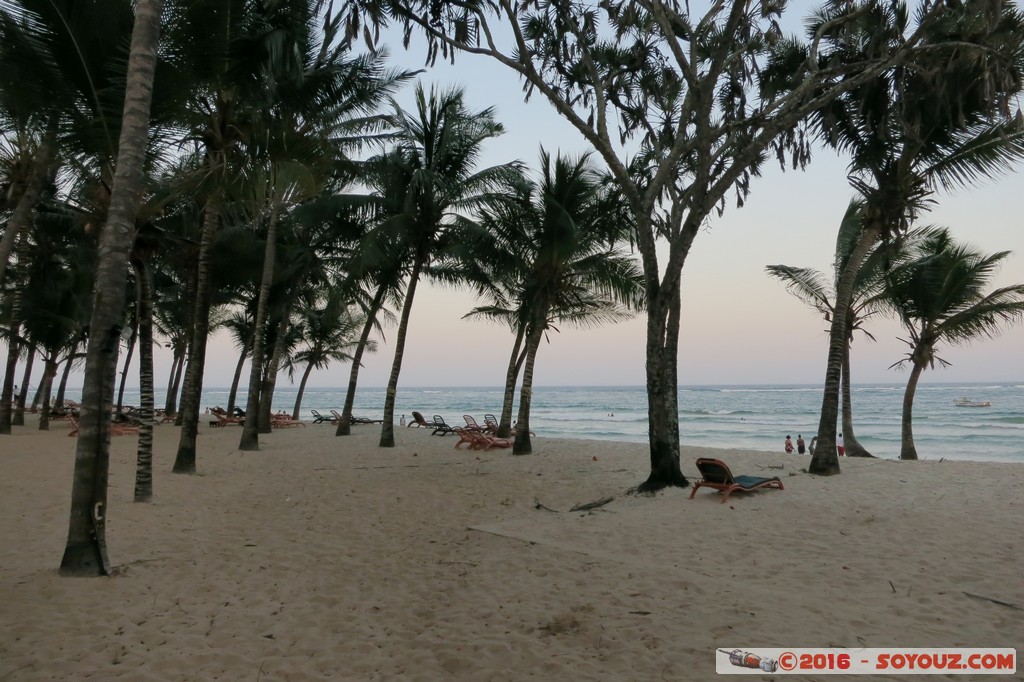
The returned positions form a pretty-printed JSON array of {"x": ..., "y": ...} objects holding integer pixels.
[
  {"x": 815, "y": 289},
  {"x": 330, "y": 333},
  {"x": 85, "y": 552},
  {"x": 559, "y": 244},
  {"x": 942, "y": 120},
  {"x": 940, "y": 297},
  {"x": 424, "y": 184}
]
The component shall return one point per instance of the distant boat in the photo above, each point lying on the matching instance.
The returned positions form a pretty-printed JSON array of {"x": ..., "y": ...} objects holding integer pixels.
[{"x": 967, "y": 402}]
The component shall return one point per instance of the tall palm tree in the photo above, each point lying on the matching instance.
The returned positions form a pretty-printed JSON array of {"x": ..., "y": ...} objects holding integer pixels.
[
  {"x": 229, "y": 49},
  {"x": 940, "y": 120},
  {"x": 561, "y": 250},
  {"x": 323, "y": 107},
  {"x": 940, "y": 297},
  {"x": 818, "y": 291},
  {"x": 424, "y": 183},
  {"x": 85, "y": 553}
]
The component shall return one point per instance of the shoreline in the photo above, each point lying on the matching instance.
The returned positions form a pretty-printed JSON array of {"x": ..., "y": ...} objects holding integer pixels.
[{"x": 319, "y": 557}]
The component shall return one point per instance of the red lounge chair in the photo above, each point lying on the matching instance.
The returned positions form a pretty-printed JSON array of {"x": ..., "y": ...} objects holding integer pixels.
[
  {"x": 418, "y": 420},
  {"x": 717, "y": 475}
]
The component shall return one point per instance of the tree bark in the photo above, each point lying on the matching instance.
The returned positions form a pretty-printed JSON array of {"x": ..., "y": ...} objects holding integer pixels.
[
  {"x": 86, "y": 551},
  {"x": 128, "y": 354},
  {"x": 302, "y": 389},
  {"x": 345, "y": 423},
  {"x": 144, "y": 454},
  {"x": 250, "y": 439},
  {"x": 515, "y": 363},
  {"x": 852, "y": 445},
  {"x": 13, "y": 351},
  {"x": 522, "y": 444},
  {"x": 270, "y": 375},
  {"x": 45, "y": 388},
  {"x": 663, "y": 389},
  {"x": 62, "y": 388},
  {"x": 19, "y": 410},
  {"x": 387, "y": 430},
  {"x": 174, "y": 382},
  {"x": 825, "y": 459},
  {"x": 907, "y": 448},
  {"x": 237, "y": 378},
  {"x": 185, "y": 459}
]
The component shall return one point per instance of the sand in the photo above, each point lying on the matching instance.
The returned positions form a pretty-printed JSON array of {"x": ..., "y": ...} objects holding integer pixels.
[{"x": 324, "y": 558}]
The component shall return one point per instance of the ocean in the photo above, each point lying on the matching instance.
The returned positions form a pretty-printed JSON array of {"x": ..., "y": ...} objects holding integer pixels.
[{"x": 743, "y": 417}]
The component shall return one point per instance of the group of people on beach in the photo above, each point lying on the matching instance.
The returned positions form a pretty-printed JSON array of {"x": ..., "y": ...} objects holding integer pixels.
[{"x": 801, "y": 447}]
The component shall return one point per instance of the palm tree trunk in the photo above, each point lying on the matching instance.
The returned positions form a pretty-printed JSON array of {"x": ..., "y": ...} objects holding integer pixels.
[
  {"x": 49, "y": 372},
  {"x": 174, "y": 382},
  {"x": 21, "y": 218},
  {"x": 852, "y": 445},
  {"x": 250, "y": 439},
  {"x": 19, "y": 410},
  {"x": 85, "y": 553},
  {"x": 825, "y": 460},
  {"x": 191, "y": 294},
  {"x": 270, "y": 374},
  {"x": 302, "y": 389},
  {"x": 907, "y": 448},
  {"x": 387, "y": 431},
  {"x": 522, "y": 444},
  {"x": 129, "y": 353},
  {"x": 144, "y": 455},
  {"x": 237, "y": 378},
  {"x": 345, "y": 423},
  {"x": 515, "y": 363},
  {"x": 185, "y": 459},
  {"x": 13, "y": 351},
  {"x": 62, "y": 388}
]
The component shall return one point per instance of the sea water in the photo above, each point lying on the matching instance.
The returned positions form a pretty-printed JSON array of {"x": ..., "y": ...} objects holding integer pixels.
[{"x": 742, "y": 417}]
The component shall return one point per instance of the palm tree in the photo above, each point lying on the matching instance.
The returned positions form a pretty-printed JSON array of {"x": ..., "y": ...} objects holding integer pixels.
[
  {"x": 940, "y": 296},
  {"x": 85, "y": 553},
  {"x": 228, "y": 49},
  {"x": 424, "y": 183},
  {"x": 814, "y": 288},
  {"x": 322, "y": 109},
  {"x": 330, "y": 333},
  {"x": 940, "y": 120},
  {"x": 560, "y": 249}
]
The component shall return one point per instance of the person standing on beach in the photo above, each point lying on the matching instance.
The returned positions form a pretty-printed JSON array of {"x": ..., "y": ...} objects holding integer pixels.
[
  {"x": 801, "y": 447},
  {"x": 789, "y": 444},
  {"x": 840, "y": 448}
]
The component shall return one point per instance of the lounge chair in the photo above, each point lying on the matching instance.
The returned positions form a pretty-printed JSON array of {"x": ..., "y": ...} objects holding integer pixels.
[
  {"x": 717, "y": 475},
  {"x": 440, "y": 426},
  {"x": 222, "y": 417},
  {"x": 471, "y": 423},
  {"x": 115, "y": 428},
  {"x": 418, "y": 420},
  {"x": 320, "y": 419},
  {"x": 283, "y": 420}
]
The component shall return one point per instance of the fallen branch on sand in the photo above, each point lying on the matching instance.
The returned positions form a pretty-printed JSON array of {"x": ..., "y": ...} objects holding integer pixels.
[
  {"x": 592, "y": 505},
  {"x": 994, "y": 601},
  {"x": 579, "y": 507},
  {"x": 538, "y": 505}
]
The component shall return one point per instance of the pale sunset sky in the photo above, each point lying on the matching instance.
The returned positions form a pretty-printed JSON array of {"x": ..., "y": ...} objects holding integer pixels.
[{"x": 739, "y": 325}]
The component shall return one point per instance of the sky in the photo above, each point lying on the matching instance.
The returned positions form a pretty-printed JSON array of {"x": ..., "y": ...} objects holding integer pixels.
[{"x": 739, "y": 326}]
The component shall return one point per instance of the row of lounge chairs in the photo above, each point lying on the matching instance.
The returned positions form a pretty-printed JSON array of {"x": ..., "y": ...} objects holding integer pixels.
[
  {"x": 279, "y": 420},
  {"x": 336, "y": 418}
]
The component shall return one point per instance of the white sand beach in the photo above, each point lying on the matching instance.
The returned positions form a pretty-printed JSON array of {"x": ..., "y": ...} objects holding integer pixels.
[{"x": 324, "y": 558}]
